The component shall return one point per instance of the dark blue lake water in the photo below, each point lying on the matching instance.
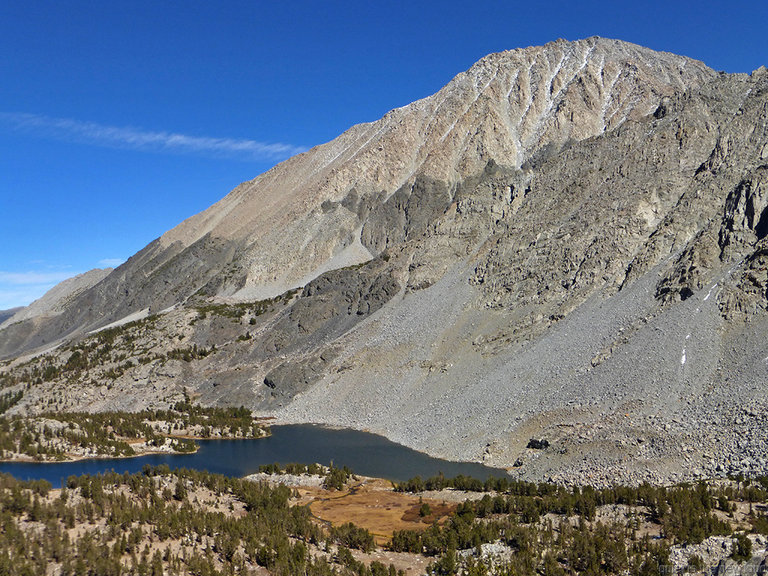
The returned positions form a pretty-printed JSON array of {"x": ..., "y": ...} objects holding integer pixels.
[{"x": 364, "y": 453}]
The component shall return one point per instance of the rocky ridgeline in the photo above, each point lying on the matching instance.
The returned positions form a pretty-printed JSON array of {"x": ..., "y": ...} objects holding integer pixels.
[{"x": 339, "y": 203}]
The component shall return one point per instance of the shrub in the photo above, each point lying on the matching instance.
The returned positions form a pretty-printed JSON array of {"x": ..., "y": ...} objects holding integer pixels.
[{"x": 742, "y": 548}]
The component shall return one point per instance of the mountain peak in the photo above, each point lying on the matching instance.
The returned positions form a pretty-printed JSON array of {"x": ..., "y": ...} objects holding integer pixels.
[
  {"x": 316, "y": 211},
  {"x": 509, "y": 106}
]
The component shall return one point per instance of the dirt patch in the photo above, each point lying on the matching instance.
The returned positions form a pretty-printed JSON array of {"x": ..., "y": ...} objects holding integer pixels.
[
  {"x": 435, "y": 513},
  {"x": 372, "y": 504}
]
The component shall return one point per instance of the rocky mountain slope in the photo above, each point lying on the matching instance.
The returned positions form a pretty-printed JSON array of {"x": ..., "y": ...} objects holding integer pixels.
[
  {"x": 56, "y": 300},
  {"x": 5, "y": 314},
  {"x": 379, "y": 183},
  {"x": 565, "y": 243}
]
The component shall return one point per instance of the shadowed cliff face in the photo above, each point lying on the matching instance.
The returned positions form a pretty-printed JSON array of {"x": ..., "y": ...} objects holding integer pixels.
[{"x": 381, "y": 183}]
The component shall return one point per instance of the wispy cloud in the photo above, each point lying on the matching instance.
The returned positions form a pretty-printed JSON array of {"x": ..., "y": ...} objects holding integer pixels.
[
  {"x": 138, "y": 139},
  {"x": 22, "y": 288},
  {"x": 27, "y": 278},
  {"x": 16, "y": 298},
  {"x": 111, "y": 262}
]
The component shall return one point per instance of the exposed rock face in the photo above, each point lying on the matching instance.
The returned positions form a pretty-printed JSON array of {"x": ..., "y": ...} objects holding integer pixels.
[
  {"x": 566, "y": 243},
  {"x": 616, "y": 298},
  {"x": 332, "y": 207}
]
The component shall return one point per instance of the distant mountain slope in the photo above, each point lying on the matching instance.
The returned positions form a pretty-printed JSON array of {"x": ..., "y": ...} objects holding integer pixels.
[
  {"x": 5, "y": 314},
  {"x": 343, "y": 202},
  {"x": 56, "y": 300},
  {"x": 47, "y": 319}
]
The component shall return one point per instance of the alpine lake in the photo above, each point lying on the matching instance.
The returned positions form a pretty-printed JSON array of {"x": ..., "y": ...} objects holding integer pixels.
[{"x": 364, "y": 453}]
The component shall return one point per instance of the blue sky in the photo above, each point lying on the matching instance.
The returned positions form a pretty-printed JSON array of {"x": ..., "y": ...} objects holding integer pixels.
[{"x": 120, "y": 119}]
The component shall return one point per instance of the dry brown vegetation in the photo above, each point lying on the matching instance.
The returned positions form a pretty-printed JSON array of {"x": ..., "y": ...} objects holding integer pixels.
[{"x": 372, "y": 504}]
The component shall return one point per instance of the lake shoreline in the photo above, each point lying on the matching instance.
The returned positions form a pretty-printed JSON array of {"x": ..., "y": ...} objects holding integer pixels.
[
  {"x": 139, "y": 453},
  {"x": 365, "y": 454}
]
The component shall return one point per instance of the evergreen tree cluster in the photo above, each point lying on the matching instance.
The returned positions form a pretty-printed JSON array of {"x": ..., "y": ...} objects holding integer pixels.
[
  {"x": 335, "y": 478},
  {"x": 109, "y": 433},
  {"x": 190, "y": 522},
  {"x": 160, "y": 522},
  {"x": 553, "y": 529}
]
